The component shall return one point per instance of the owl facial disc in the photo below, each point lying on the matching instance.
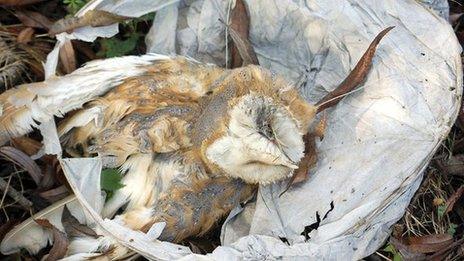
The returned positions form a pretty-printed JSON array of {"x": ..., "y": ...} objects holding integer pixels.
[{"x": 262, "y": 143}]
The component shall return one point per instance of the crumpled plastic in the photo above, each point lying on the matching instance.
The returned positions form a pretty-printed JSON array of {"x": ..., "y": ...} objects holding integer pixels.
[{"x": 379, "y": 140}]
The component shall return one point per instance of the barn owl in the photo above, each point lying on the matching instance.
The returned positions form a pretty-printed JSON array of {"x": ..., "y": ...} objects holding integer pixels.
[{"x": 192, "y": 139}]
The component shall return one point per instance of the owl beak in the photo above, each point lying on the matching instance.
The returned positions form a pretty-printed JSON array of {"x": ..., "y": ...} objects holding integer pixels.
[
  {"x": 292, "y": 166},
  {"x": 288, "y": 163}
]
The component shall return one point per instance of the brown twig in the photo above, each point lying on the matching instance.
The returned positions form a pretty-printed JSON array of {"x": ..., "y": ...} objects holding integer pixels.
[
  {"x": 356, "y": 77},
  {"x": 14, "y": 194}
]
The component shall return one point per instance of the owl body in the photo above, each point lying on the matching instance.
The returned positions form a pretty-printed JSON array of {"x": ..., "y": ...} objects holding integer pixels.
[
  {"x": 192, "y": 140},
  {"x": 221, "y": 117}
]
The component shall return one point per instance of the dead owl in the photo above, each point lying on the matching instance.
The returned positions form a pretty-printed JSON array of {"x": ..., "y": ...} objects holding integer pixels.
[{"x": 192, "y": 139}]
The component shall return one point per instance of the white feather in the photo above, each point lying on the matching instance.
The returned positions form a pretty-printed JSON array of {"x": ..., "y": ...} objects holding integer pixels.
[{"x": 58, "y": 95}]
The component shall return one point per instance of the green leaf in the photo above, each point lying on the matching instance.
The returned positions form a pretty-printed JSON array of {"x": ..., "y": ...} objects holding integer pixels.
[
  {"x": 452, "y": 229},
  {"x": 114, "y": 47},
  {"x": 74, "y": 5},
  {"x": 441, "y": 211},
  {"x": 111, "y": 180},
  {"x": 390, "y": 249},
  {"x": 397, "y": 257}
]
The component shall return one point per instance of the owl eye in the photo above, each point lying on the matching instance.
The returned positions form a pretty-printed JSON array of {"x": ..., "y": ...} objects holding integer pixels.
[{"x": 266, "y": 130}]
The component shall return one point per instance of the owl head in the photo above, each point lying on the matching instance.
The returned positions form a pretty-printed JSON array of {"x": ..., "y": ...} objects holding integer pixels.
[
  {"x": 263, "y": 142},
  {"x": 261, "y": 137}
]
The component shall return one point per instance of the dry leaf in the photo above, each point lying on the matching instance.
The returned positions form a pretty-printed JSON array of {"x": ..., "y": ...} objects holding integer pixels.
[
  {"x": 454, "y": 166},
  {"x": 310, "y": 154},
  {"x": 429, "y": 243},
  {"x": 60, "y": 241},
  {"x": 72, "y": 226},
  {"x": 405, "y": 251},
  {"x": 440, "y": 255},
  {"x": 356, "y": 76},
  {"x": 306, "y": 163},
  {"x": 85, "y": 49},
  {"x": 25, "y": 36},
  {"x": 68, "y": 57},
  {"x": 18, "y": 2},
  {"x": 453, "y": 199},
  {"x": 33, "y": 19},
  {"x": 242, "y": 52},
  {"x": 454, "y": 18},
  {"x": 26, "y": 145},
  {"x": 7, "y": 226},
  {"x": 55, "y": 194},
  {"x": 92, "y": 18},
  {"x": 24, "y": 161}
]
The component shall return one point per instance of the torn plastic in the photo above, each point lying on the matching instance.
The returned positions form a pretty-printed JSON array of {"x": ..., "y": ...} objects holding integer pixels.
[{"x": 378, "y": 141}]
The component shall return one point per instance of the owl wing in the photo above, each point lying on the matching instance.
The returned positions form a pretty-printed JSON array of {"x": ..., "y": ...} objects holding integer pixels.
[
  {"x": 149, "y": 113},
  {"x": 23, "y": 106}
]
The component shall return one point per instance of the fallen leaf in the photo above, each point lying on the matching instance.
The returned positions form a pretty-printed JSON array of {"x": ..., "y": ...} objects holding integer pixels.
[
  {"x": 405, "y": 250},
  {"x": 356, "y": 76},
  {"x": 85, "y": 49},
  {"x": 68, "y": 57},
  {"x": 454, "y": 166},
  {"x": 25, "y": 36},
  {"x": 242, "y": 52},
  {"x": 24, "y": 161},
  {"x": 310, "y": 154},
  {"x": 454, "y": 18},
  {"x": 92, "y": 18},
  {"x": 438, "y": 256},
  {"x": 26, "y": 145},
  {"x": 201, "y": 245},
  {"x": 18, "y": 2},
  {"x": 60, "y": 241},
  {"x": 453, "y": 199},
  {"x": 33, "y": 19},
  {"x": 429, "y": 243},
  {"x": 7, "y": 226},
  {"x": 307, "y": 162},
  {"x": 55, "y": 194},
  {"x": 53, "y": 169},
  {"x": 73, "y": 228}
]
